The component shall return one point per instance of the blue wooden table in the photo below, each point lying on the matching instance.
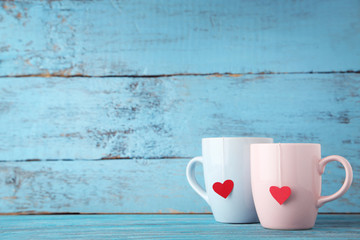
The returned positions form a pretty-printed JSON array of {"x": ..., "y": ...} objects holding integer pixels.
[{"x": 187, "y": 226}]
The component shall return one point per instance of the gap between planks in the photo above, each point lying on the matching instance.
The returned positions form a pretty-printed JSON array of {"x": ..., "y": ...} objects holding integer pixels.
[{"x": 215, "y": 74}]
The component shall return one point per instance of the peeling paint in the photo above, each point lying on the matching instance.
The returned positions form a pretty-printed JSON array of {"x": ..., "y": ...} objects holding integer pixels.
[
  {"x": 253, "y": 79},
  {"x": 10, "y": 198},
  {"x": 174, "y": 211},
  {"x": 27, "y": 61},
  {"x": 56, "y": 48},
  {"x": 217, "y": 75},
  {"x": 235, "y": 75},
  {"x": 72, "y": 135},
  {"x": 63, "y": 19},
  {"x": 5, "y": 48}
]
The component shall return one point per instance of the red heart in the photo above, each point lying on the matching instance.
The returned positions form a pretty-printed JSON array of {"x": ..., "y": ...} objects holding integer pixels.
[
  {"x": 280, "y": 194},
  {"x": 223, "y": 189}
]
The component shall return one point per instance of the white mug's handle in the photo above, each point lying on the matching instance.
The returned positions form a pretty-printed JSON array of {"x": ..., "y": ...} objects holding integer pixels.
[
  {"x": 348, "y": 178},
  {"x": 190, "y": 174}
]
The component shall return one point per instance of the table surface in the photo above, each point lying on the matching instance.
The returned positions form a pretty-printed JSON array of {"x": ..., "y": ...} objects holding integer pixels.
[{"x": 192, "y": 226}]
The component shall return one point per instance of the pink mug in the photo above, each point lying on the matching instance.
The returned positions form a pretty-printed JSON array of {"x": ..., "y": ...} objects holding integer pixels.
[{"x": 286, "y": 183}]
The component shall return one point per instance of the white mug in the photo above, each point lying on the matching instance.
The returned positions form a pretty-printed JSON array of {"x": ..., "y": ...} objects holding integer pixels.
[{"x": 226, "y": 163}]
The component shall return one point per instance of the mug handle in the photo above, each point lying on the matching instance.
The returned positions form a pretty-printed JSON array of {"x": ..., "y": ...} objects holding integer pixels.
[
  {"x": 190, "y": 174},
  {"x": 348, "y": 178}
]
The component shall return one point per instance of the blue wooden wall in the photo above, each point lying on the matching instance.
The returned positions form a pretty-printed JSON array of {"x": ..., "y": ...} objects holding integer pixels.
[{"x": 103, "y": 103}]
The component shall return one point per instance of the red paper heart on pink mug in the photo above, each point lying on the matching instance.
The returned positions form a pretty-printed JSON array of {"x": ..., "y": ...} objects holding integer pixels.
[
  {"x": 280, "y": 194},
  {"x": 223, "y": 189}
]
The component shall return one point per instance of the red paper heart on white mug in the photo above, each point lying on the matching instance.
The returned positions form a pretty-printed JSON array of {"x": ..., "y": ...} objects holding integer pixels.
[
  {"x": 280, "y": 194},
  {"x": 223, "y": 189}
]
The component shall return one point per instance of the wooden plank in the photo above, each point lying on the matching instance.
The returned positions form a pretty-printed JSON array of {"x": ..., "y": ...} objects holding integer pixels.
[
  {"x": 156, "y": 186},
  {"x": 165, "y": 37},
  {"x": 130, "y": 186},
  {"x": 165, "y": 227},
  {"x": 94, "y": 118}
]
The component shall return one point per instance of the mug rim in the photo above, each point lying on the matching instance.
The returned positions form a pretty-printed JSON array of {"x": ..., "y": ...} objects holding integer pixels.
[{"x": 239, "y": 138}]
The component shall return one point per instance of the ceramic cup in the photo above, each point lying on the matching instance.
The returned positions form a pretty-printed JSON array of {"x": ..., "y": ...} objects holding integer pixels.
[
  {"x": 286, "y": 183},
  {"x": 226, "y": 163}
]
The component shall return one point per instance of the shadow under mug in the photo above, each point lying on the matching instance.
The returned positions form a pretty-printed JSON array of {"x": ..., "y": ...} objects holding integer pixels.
[
  {"x": 286, "y": 183},
  {"x": 226, "y": 163}
]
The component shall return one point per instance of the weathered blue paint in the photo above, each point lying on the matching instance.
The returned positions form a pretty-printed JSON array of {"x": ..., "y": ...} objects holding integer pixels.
[
  {"x": 165, "y": 227},
  {"x": 80, "y": 118},
  {"x": 164, "y": 37},
  {"x": 150, "y": 186},
  {"x": 89, "y": 118}
]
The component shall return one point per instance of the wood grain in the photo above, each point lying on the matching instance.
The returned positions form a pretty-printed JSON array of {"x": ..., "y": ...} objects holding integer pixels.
[
  {"x": 130, "y": 186},
  {"x": 95, "y": 118},
  {"x": 165, "y": 227},
  {"x": 84, "y": 119},
  {"x": 142, "y": 37},
  {"x": 124, "y": 186},
  {"x": 82, "y": 81}
]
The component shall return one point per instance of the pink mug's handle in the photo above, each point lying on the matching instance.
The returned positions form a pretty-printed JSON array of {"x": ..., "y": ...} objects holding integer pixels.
[{"x": 348, "y": 178}]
